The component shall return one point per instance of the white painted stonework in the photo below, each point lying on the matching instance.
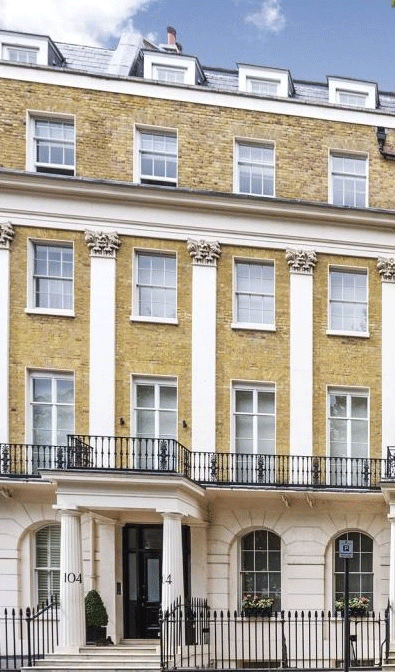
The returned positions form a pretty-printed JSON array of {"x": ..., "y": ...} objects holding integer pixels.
[
  {"x": 6, "y": 236},
  {"x": 301, "y": 266},
  {"x": 103, "y": 247},
  {"x": 204, "y": 312},
  {"x": 387, "y": 271},
  {"x": 72, "y": 611}
]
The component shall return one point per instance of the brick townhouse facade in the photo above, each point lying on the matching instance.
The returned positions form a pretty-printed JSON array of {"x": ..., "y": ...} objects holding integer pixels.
[{"x": 197, "y": 299}]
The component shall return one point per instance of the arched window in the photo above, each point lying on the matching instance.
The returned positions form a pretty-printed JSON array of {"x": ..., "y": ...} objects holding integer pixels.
[
  {"x": 261, "y": 565},
  {"x": 360, "y": 566},
  {"x": 47, "y": 562}
]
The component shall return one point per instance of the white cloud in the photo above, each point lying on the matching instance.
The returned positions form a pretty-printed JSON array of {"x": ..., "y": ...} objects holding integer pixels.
[
  {"x": 269, "y": 17},
  {"x": 76, "y": 21}
]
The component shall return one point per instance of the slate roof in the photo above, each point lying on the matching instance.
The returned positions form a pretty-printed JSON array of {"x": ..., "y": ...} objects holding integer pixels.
[{"x": 96, "y": 60}]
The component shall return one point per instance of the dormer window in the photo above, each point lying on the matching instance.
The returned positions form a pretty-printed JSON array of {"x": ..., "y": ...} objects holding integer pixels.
[
  {"x": 169, "y": 74},
  {"x": 351, "y": 98},
  {"x": 264, "y": 81},
  {"x": 352, "y": 93},
  {"x": 19, "y": 54}
]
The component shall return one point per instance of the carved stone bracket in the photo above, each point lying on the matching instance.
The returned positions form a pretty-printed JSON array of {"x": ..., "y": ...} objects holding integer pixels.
[
  {"x": 6, "y": 235},
  {"x": 301, "y": 261},
  {"x": 386, "y": 268},
  {"x": 103, "y": 244},
  {"x": 203, "y": 252}
]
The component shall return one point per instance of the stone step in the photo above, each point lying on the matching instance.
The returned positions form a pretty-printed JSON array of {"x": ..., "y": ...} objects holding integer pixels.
[{"x": 94, "y": 668}]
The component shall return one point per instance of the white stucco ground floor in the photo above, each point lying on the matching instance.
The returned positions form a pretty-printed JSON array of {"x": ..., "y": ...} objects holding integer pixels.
[{"x": 144, "y": 541}]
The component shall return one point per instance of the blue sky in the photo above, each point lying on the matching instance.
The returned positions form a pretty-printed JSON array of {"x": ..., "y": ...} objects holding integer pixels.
[
  {"x": 353, "y": 38},
  {"x": 313, "y": 38}
]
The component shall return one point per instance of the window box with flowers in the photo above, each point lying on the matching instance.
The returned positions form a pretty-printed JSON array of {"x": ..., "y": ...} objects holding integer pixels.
[
  {"x": 357, "y": 606},
  {"x": 254, "y": 606}
]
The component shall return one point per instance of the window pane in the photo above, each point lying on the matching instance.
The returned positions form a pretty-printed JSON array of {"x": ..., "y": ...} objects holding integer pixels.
[
  {"x": 145, "y": 395},
  {"x": 42, "y": 389},
  {"x": 244, "y": 401},
  {"x": 168, "y": 397}
]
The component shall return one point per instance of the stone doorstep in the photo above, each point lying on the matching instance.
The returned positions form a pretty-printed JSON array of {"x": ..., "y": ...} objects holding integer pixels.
[{"x": 140, "y": 656}]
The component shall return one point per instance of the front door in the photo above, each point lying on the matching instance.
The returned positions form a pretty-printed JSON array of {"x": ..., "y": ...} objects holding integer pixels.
[{"x": 142, "y": 555}]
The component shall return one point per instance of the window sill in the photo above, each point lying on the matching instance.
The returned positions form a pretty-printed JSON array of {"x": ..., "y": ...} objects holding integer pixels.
[
  {"x": 157, "y": 320},
  {"x": 253, "y": 327},
  {"x": 352, "y": 334},
  {"x": 50, "y": 311}
]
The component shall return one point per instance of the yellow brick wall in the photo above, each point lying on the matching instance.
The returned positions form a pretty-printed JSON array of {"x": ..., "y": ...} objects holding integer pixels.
[
  {"x": 344, "y": 360},
  {"x": 104, "y": 139},
  {"x": 152, "y": 348},
  {"x": 252, "y": 355},
  {"x": 48, "y": 342}
]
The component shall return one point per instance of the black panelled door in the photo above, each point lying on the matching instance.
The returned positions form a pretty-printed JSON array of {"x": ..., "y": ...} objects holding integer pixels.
[{"x": 142, "y": 563}]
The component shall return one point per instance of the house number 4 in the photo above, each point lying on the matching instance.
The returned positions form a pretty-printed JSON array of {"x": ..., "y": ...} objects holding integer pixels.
[
  {"x": 167, "y": 580},
  {"x": 72, "y": 578}
]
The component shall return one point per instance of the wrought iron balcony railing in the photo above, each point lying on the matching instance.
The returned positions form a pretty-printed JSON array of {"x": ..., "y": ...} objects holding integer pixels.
[{"x": 220, "y": 469}]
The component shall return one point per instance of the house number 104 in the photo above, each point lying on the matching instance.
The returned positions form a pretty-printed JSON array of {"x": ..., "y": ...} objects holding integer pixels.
[{"x": 72, "y": 578}]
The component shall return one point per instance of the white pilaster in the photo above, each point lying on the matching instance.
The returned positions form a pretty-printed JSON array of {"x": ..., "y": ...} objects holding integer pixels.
[
  {"x": 301, "y": 264},
  {"x": 172, "y": 565},
  {"x": 107, "y": 571},
  {"x": 391, "y": 596},
  {"x": 6, "y": 236},
  {"x": 204, "y": 309},
  {"x": 386, "y": 268},
  {"x": 72, "y": 608},
  {"x": 199, "y": 559},
  {"x": 103, "y": 248}
]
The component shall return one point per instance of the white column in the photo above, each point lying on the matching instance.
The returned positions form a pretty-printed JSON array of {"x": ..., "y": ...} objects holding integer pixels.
[
  {"x": 204, "y": 314},
  {"x": 386, "y": 268},
  {"x": 172, "y": 565},
  {"x": 6, "y": 236},
  {"x": 72, "y": 608},
  {"x": 301, "y": 264},
  {"x": 103, "y": 248}
]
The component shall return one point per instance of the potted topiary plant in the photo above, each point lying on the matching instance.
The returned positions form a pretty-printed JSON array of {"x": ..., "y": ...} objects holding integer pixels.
[{"x": 96, "y": 618}]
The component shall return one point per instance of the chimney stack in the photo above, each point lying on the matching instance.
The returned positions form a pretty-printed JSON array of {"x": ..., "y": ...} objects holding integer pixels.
[
  {"x": 172, "y": 44},
  {"x": 171, "y": 36}
]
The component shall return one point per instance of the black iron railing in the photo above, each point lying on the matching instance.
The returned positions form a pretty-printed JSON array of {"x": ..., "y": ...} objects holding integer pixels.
[
  {"x": 294, "y": 640},
  {"x": 220, "y": 469},
  {"x": 26, "y": 636}
]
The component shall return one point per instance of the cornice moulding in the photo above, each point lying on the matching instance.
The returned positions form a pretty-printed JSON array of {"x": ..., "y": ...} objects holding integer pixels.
[{"x": 232, "y": 204}]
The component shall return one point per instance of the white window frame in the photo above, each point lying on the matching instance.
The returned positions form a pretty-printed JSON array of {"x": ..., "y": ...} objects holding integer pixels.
[
  {"x": 263, "y": 82},
  {"x": 50, "y": 569},
  {"x": 265, "y": 144},
  {"x": 31, "y": 163},
  {"x": 167, "y": 71},
  {"x": 152, "y": 180},
  {"x": 335, "y": 547},
  {"x": 31, "y": 308},
  {"x": 335, "y": 153},
  {"x": 20, "y": 49},
  {"x": 348, "y": 392},
  {"x": 352, "y": 98},
  {"x": 40, "y": 44},
  {"x": 255, "y": 387},
  {"x": 253, "y": 325},
  {"x": 364, "y": 271},
  {"x": 32, "y": 374},
  {"x": 276, "y": 607},
  {"x": 135, "y": 316},
  {"x": 157, "y": 382}
]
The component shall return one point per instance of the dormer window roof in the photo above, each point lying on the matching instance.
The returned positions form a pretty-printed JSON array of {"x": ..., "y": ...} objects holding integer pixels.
[
  {"x": 172, "y": 68},
  {"x": 265, "y": 81},
  {"x": 353, "y": 93},
  {"x": 28, "y": 49}
]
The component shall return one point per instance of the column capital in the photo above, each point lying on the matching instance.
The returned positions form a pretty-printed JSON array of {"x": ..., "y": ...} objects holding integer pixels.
[
  {"x": 386, "y": 268},
  {"x": 64, "y": 511},
  {"x": 301, "y": 261},
  {"x": 7, "y": 233},
  {"x": 171, "y": 515},
  {"x": 204, "y": 252},
  {"x": 103, "y": 243}
]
